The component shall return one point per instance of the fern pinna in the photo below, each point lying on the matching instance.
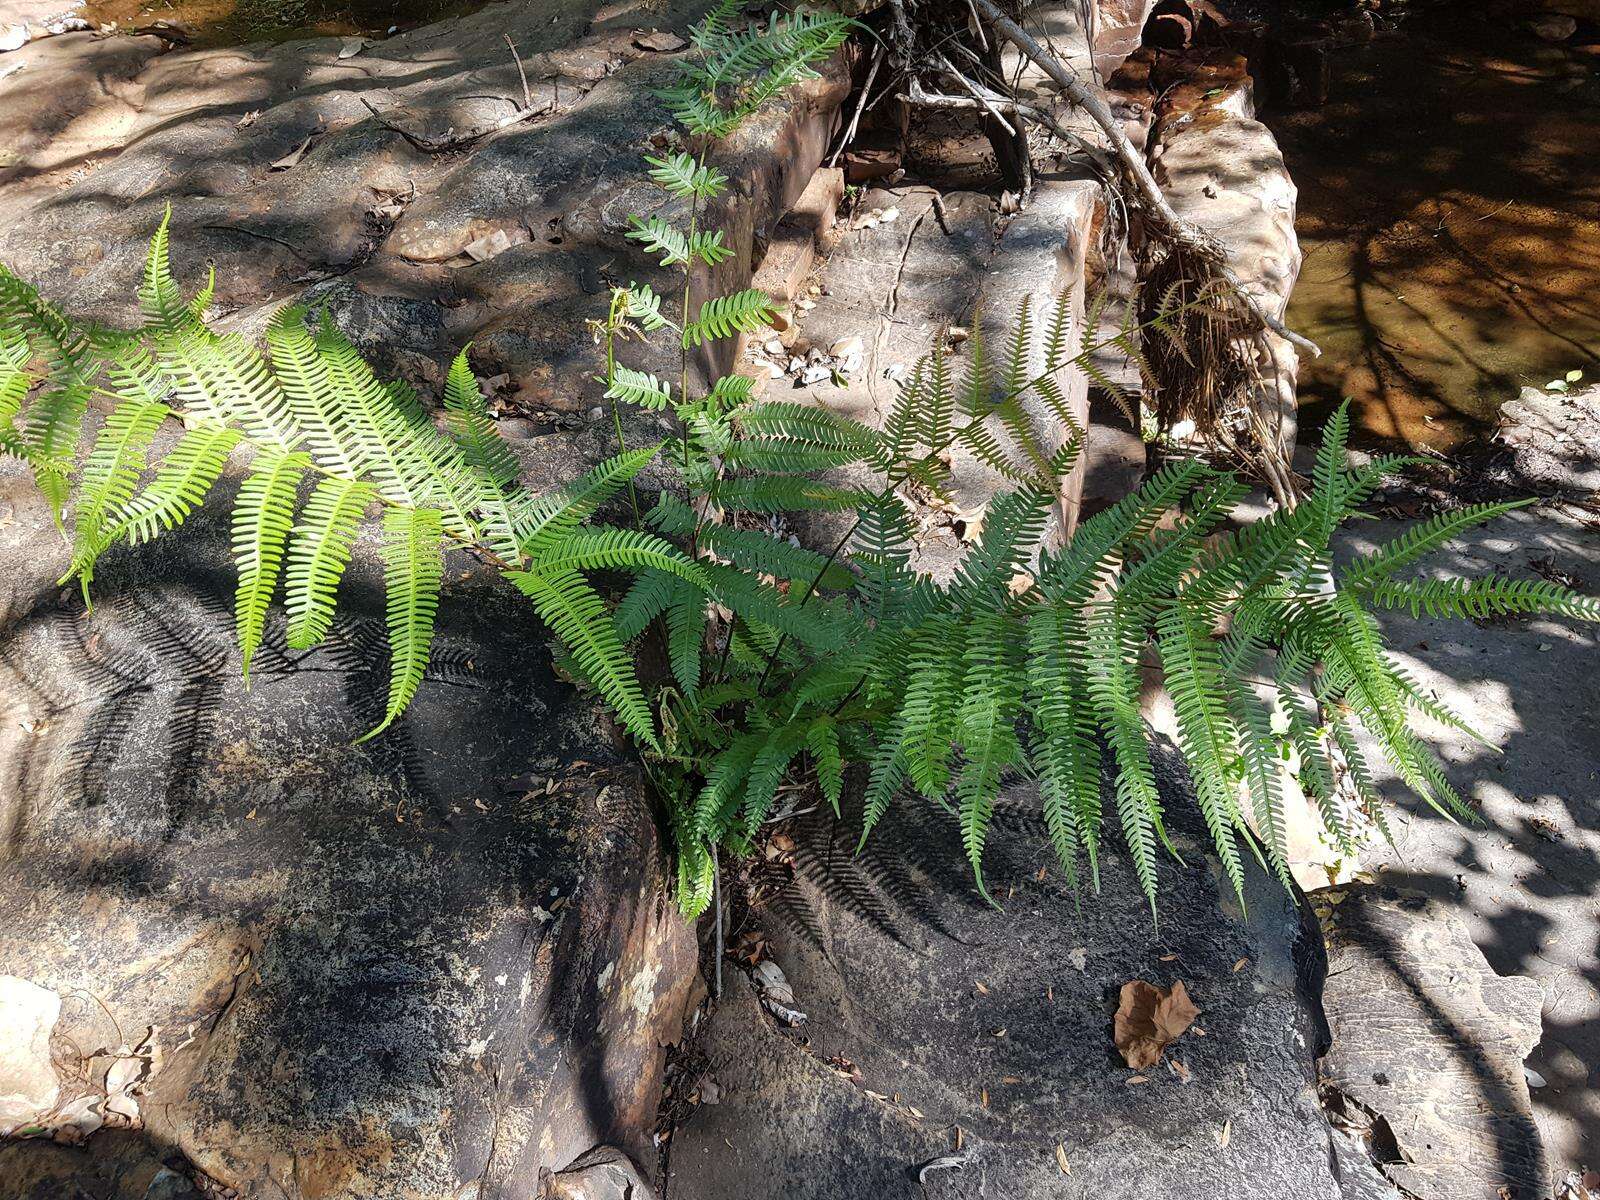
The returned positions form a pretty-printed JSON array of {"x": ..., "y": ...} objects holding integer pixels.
[{"x": 323, "y": 445}]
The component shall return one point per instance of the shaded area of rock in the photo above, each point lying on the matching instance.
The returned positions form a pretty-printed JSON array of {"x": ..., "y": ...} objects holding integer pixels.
[
  {"x": 929, "y": 1011},
  {"x": 443, "y": 959},
  {"x": 1428, "y": 1044}
]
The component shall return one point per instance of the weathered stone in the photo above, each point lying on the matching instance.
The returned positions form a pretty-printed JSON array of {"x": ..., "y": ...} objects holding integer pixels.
[
  {"x": 28, "y": 1083},
  {"x": 1554, "y": 27},
  {"x": 1553, "y": 440},
  {"x": 442, "y": 960},
  {"x": 928, "y": 1012},
  {"x": 867, "y": 164},
  {"x": 602, "y": 1174},
  {"x": 783, "y": 271},
  {"x": 1428, "y": 1044},
  {"x": 818, "y": 205},
  {"x": 1117, "y": 27},
  {"x": 64, "y": 99}
]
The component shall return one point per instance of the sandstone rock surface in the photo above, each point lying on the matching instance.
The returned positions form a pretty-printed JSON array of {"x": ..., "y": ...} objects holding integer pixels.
[
  {"x": 1428, "y": 1045},
  {"x": 929, "y": 1012},
  {"x": 432, "y": 965}
]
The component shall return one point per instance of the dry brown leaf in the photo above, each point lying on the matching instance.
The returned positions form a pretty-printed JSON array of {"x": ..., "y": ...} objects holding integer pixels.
[
  {"x": 1149, "y": 1019},
  {"x": 293, "y": 157},
  {"x": 1138, "y": 1079},
  {"x": 660, "y": 40}
]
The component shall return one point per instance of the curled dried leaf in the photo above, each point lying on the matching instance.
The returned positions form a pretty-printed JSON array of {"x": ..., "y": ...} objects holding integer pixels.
[{"x": 1149, "y": 1019}]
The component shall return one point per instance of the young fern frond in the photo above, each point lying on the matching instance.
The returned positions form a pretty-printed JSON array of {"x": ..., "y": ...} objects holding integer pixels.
[{"x": 473, "y": 429}]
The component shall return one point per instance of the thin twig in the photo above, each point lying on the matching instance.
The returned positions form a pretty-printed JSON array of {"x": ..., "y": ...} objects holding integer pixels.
[
  {"x": 987, "y": 105},
  {"x": 861, "y": 104},
  {"x": 527, "y": 96}
]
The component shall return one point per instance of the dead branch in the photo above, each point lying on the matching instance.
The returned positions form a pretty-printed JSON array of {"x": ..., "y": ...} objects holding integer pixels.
[
  {"x": 1182, "y": 233},
  {"x": 861, "y": 104}
]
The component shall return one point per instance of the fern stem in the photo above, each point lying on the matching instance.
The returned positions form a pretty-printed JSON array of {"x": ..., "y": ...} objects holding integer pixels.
[{"x": 611, "y": 378}]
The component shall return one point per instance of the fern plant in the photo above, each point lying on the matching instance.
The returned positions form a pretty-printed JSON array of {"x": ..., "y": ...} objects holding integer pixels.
[
  {"x": 787, "y": 668},
  {"x": 323, "y": 446}
]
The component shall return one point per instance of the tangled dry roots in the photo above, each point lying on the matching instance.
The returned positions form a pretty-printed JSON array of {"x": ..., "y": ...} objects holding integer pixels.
[{"x": 1204, "y": 357}]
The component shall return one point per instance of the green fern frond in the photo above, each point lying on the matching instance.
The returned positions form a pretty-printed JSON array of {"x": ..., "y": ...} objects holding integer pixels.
[
  {"x": 822, "y": 740},
  {"x": 683, "y": 176},
  {"x": 186, "y": 477},
  {"x": 748, "y": 311},
  {"x": 617, "y": 549},
  {"x": 1490, "y": 596},
  {"x": 1067, "y": 748},
  {"x": 643, "y": 305},
  {"x": 109, "y": 477},
  {"x": 1114, "y": 642},
  {"x": 639, "y": 387},
  {"x": 160, "y": 299},
  {"x": 577, "y": 614},
  {"x": 1192, "y": 664},
  {"x": 1422, "y": 539},
  {"x": 473, "y": 429},
  {"x": 786, "y": 493},
  {"x": 659, "y": 236},
  {"x": 686, "y": 620}
]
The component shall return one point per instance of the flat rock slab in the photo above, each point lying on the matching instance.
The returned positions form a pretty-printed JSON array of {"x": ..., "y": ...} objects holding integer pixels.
[
  {"x": 1428, "y": 1044},
  {"x": 900, "y": 288},
  {"x": 441, "y": 961},
  {"x": 1525, "y": 879},
  {"x": 930, "y": 1012}
]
